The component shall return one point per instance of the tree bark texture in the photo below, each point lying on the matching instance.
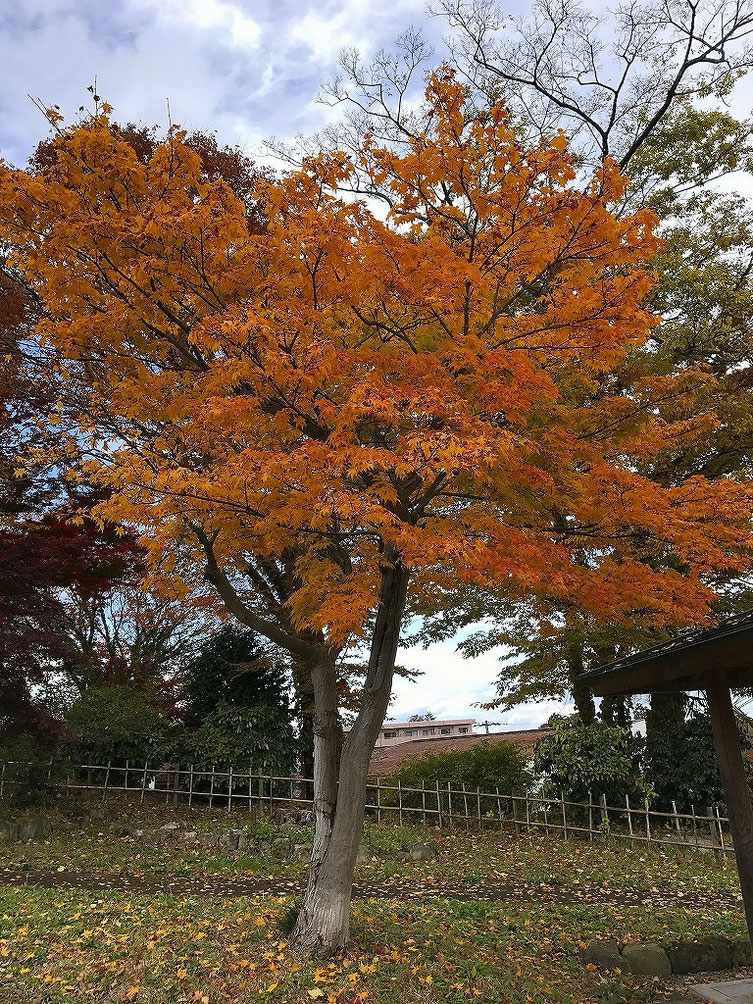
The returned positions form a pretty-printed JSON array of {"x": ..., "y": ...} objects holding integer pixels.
[{"x": 323, "y": 924}]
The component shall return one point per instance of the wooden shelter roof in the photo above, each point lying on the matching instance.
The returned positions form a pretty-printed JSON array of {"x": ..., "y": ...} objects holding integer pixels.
[{"x": 681, "y": 662}]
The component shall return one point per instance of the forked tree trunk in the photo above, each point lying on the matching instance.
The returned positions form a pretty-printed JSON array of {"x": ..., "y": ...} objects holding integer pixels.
[{"x": 324, "y": 921}]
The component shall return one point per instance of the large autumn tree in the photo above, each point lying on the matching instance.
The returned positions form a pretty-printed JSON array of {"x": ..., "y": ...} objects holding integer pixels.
[{"x": 386, "y": 409}]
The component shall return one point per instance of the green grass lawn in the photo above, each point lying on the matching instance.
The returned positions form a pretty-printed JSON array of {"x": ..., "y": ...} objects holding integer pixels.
[{"x": 58, "y": 945}]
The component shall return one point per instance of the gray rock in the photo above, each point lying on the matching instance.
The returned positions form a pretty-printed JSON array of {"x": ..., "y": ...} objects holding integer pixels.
[
  {"x": 741, "y": 953},
  {"x": 170, "y": 828},
  {"x": 604, "y": 954},
  {"x": 646, "y": 960},
  {"x": 191, "y": 836},
  {"x": 301, "y": 851},
  {"x": 365, "y": 855},
  {"x": 229, "y": 839},
  {"x": 706, "y": 954},
  {"x": 281, "y": 847},
  {"x": 423, "y": 850}
]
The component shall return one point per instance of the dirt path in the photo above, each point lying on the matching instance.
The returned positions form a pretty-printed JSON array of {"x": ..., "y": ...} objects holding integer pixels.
[{"x": 407, "y": 889}]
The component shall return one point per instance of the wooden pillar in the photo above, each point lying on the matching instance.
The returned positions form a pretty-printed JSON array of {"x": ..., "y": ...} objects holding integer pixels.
[{"x": 739, "y": 807}]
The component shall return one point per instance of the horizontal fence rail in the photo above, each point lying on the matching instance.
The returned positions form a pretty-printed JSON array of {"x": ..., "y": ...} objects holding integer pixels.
[{"x": 442, "y": 805}]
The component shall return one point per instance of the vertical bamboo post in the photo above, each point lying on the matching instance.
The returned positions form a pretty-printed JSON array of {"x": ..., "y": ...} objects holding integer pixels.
[
  {"x": 590, "y": 815},
  {"x": 379, "y": 799},
  {"x": 478, "y": 806},
  {"x": 250, "y": 793},
  {"x": 260, "y": 787},
  {"x": 465, "y": 807},
  {"x": 713, "y": 832},
  {"x": 677, "y": 818},
  {"x": 629, "y": 814},
  {"x": 439, "y": 806},
  {"x": 604, "y": 814},
  {"x": 2, "y": 781},
  {"x": 190, "y": 785},
  {"x": 721, "y": 836},
  {"x": 449, "y": 805},
  {"x": 564, "y": 812},
  {"x": 229, "y": 789},
  {"x": 499, "y": 805},
  {"x": 423, "y": 802},
  {"x": 143, "y": 780},
  {"x": 648, "y": 822},
  {"x": 211, "y": 789},
  {"x": 107, "y": 778},
  {"x": 695, "y": 825},
  {"x": 176, "y": 786},
  {"x": 528, "y": 810},
  {"x": 400, "y": 801},
  {"x": 125, "y": 779}
]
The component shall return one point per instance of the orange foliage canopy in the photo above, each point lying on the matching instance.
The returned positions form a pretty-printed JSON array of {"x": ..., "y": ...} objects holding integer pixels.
[{"x": 343, "y": 387}]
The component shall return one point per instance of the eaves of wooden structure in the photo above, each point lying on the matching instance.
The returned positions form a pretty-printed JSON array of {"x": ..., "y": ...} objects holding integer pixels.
[{"x": 714, "y": 660}]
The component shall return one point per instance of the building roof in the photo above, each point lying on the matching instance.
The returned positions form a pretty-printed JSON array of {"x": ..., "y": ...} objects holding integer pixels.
[
  {"x": 425, "y": 723},
  {"x": 387, "y": 759},
  {"x": 682, "y": 662}
]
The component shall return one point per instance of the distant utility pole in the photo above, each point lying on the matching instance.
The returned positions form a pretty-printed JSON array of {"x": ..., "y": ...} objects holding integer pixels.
[{"x": 487, "y": 724}]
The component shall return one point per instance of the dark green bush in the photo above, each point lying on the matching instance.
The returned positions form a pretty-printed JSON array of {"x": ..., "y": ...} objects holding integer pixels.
[
  {"x": 577, "y": 759},
  {"x": 117, "y": 724}
]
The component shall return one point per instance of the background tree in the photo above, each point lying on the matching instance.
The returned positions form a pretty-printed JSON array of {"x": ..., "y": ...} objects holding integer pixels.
[
  {"x": 578, "y": 759},
  {"x": 236, "y": 668},
  {"x": 609, "y": 80},
  {"x": 646, "y": 86},
  {"x": 400, "y": 405}
]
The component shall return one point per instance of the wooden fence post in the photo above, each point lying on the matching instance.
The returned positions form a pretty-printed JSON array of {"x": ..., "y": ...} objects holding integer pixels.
[
  {"x": 379, "y": 799},
  {"x": 564, "y": 812},
  {"x": 604, "y": 814},
  {"x": 676, "y": 818},
  {"x": 439, "y": 806},
  {"x": 714, "y": 834}
]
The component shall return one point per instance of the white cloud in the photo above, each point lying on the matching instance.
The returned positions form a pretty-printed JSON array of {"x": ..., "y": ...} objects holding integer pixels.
[
  {"x": 233, "y": 25},
  {"x": 452, "y": 685}
]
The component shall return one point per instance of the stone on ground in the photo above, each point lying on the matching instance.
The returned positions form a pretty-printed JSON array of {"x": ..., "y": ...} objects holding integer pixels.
[
  {"x": 603, "y": 955},
  {"x": 646, "y": 960}
]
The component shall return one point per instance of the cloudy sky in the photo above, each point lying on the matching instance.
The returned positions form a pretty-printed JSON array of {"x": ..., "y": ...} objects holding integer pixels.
[{"x": 250, "y": 69}]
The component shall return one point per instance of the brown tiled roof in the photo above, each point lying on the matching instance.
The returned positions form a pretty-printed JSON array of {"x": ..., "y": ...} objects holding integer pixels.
[{"x": 388, "y": 759}]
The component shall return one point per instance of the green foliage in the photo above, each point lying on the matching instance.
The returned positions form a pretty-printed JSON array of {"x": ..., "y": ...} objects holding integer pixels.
[
  {"x": 486, "y": 766},
  {"x": 117, "y": 723},
  {"x": 578, "y": 758},
  {"x": 256, "y": 736},
  {"x": 233, "y": 668},
  {"x": 31, "y": 774},
  {"x": 680, "y": 760}
]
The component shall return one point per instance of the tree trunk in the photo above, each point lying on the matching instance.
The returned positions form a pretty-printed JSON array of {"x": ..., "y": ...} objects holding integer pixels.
[
  {"x": 303, "y": 686},
  {"x": 581, "y": 692},
  {"x": 323, "y": 924}
]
